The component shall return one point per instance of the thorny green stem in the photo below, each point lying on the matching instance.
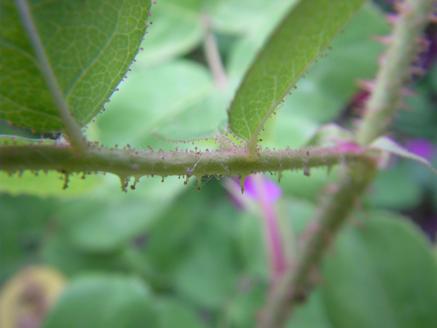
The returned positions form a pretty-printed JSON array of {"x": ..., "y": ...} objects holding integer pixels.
[
  {"x": 337, "y": 204},
  {"x": 72, "y": 129},
  {"x": 355, "y": 177},
  {"x": 395, "y": 71},
  {"x": 130, "y": 162}
]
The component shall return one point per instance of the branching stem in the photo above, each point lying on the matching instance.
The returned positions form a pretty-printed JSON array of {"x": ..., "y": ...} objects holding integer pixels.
[
  {"x": 130, "y": 162},
  {"x": 72, "y": 129},
  {"x": 355, "y": 178}
]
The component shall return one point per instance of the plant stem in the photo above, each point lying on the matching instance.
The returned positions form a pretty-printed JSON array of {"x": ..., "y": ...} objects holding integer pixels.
[
  {"x": 395, "y": 71},
  {"x": 72, "y": 129},
  {"x": 212, "y": 54},
  {"x": 332, "y": 214},
  {"x": 130, "y": 162},
  {"x": 355, "y": 178}
]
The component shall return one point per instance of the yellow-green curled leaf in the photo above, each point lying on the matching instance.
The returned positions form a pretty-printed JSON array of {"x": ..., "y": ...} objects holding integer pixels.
[{"x": 387, "y": 145}]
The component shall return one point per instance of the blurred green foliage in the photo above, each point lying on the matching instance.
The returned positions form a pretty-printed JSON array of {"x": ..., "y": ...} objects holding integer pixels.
[{"x": 167, "y": 255}]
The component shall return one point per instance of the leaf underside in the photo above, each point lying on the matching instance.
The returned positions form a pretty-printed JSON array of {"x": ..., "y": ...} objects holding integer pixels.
[
  {"x": 90, "y": 45},
  {"x": 300, "y": 38}
]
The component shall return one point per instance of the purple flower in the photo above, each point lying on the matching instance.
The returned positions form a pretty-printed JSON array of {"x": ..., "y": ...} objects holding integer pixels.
[
  {"x": 420, "y": 147},
  {"x": 265, "y": 193},
  {"x": 264, "y": 186}
]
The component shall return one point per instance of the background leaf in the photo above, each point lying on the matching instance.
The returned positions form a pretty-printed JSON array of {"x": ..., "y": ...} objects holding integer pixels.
[
  {"x": 245, "y": 16},
  {"x": 395, "y": 188},
  {"x": 23, "y": 225},
  {"x": 48, "y": 184},
  {"x": 101, "y": 301},
  {"x": 175, "y": 31},
  {"x": 146, "y": 103},
  {"x": 175, "y": 313},
  {"x": 390, "y": 269}
]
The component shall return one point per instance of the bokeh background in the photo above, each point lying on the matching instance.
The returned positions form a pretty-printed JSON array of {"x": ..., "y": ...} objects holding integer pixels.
[{"x": 168, "y": 255}]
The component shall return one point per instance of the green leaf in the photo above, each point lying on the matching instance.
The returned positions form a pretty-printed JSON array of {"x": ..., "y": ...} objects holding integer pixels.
[
  {"x": 176, "y": 30},
  {"x": 151, "y": 99},
  {"x": 48, "y": 184},
  {"x": 243, "y": 308},
  {"x": 420, "y": 122},
  {"x": 245, "y": 16},
  {"x": 299, "y": 39},
  {"x": 395, "y": 188},
  {"x": 101, "y": 301},
  {"x": 105, "y": 225},
  {"x": 312, "y": 314},
  {"x": 22, "y": 223},
  {"x": 57, "y": 251},
  {"x": 208, "y": 275},
  {"x": 173, "y": 313},
  {"x": 176, "y": 228},
  {"x": 89, "y": 44},
  {"x": 106, "y": 221},
  {"x": 381, "y": 274},
  {"x": 251, "y": 245},
  {"x": 329, "y": 85}
]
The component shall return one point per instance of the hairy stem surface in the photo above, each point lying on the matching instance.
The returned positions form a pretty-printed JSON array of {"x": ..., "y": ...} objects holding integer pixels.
[
  {"x": 130, "y": 162},
  {"x": 395, "y": 72}
]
